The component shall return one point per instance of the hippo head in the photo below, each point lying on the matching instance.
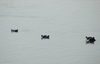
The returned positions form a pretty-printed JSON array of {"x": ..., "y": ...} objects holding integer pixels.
[{"x": 90, "y": 39}]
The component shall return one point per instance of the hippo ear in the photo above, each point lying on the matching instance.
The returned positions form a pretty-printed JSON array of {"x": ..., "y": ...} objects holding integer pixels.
[
  {"x": 93, "y": 37},
  {"x": 86, "y": 36}
]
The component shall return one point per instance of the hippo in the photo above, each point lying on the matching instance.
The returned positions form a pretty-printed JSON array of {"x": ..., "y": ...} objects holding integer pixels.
[
  {"x": 44, "y": 36},
  {"x": 13, "y": 30},
  {"x": 90, "y": 39}
]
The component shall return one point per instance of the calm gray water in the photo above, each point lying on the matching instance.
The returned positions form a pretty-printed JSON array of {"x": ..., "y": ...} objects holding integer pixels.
[{"x": 67, "y": 23}]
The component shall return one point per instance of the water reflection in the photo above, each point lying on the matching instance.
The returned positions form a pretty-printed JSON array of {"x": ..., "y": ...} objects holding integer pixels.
[{"x": 89, "y": 42}]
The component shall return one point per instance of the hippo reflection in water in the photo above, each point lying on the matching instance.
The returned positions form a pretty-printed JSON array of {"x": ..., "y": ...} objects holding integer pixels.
[
  {"x": 44, "y": 36},
  {"x": 14, "y": 30},
  {"x": 90, "y": 40}
]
